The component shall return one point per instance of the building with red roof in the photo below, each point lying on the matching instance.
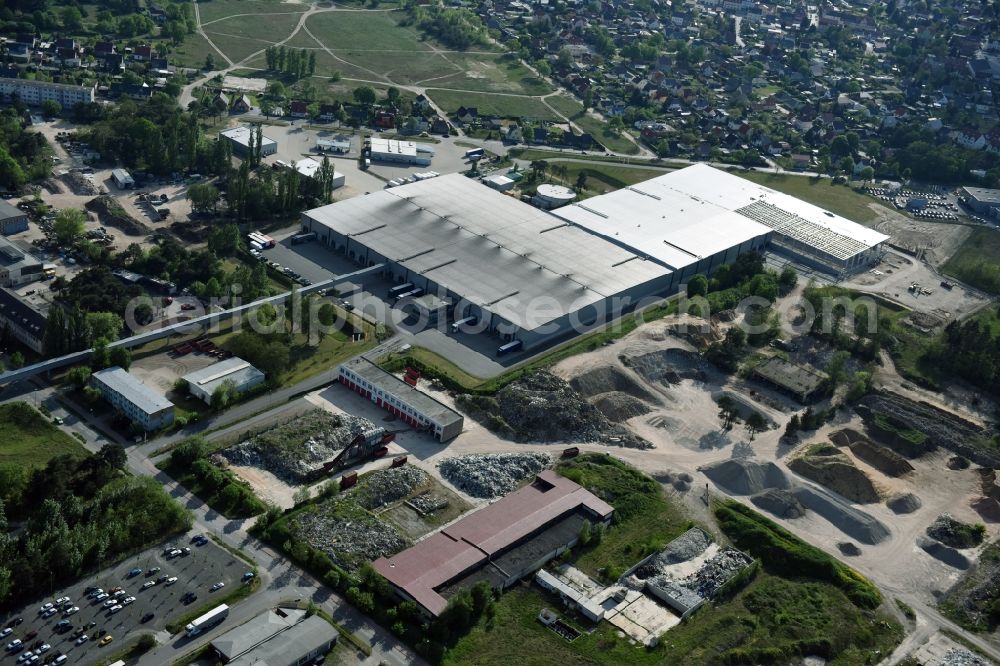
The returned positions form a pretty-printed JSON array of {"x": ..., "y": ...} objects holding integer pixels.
[{"x": 500, "y": 543}]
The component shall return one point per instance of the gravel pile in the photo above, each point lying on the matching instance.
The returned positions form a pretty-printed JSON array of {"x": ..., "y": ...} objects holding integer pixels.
[
  {"x": 745, "y": 477},
  {"x": 541, "y": 407},
  {"x": 946, "y": 554},
  {"x": 669, "y": 366},
  {"x": 781, "y": 503},
  {"x": 904, "y": 503},
  {"x": 830, "y": 468},
  {"x": 608, "y": 378},
  {"x": 618, "y": 406},
  {"x": 388, "y": 485},
  {"x": 292, "y": 451},
  {"x": 853, "y": 522},
  {"x": 882, "y": 458},
  {"x": 493, "y": 474},
  {"x": 686, "y": 547},
  {"x": 348, "y": 535},
  {"x": 962, "y": 657}
]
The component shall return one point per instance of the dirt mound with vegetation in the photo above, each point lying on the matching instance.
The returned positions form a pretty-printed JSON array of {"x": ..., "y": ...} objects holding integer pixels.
[
  {"x": 606, "y": 379},
  {"x": 904, "y": 503},
  {"x": 541, "y": 407},
  {"x": 915, "y": 428},
  {"x": 781, "y": 503},
  {"x": 881, "y": 458},
  {"x": 618, "y": 406},
  {"x": 956, "y": 534},
  {"x": 111, "y": 213},
  {"x": 827, "y": 466},
  {"x": 746, "y": 477}
]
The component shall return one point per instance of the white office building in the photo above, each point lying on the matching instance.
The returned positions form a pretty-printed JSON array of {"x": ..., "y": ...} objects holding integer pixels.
[
  {"x": 400, "y": 152},
  {"x": 129, "y": 396},
  {"x": 240, "y": 138},
  {"x": 242, "y": 376},
  {"x": 34, "y": 93}
]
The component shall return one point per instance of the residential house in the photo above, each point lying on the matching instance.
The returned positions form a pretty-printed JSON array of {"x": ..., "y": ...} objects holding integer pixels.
[
  {"x": 242, "y": 104},
  {"x": 299, "y": 109},
  {"x": 131, "y": 90},
  {"x": 328, "y": 112},
  {"x": 221, "y": 101}
]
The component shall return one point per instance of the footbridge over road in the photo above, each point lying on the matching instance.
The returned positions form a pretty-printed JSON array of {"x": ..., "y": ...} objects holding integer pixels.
[{"x": 204, "y": 321}]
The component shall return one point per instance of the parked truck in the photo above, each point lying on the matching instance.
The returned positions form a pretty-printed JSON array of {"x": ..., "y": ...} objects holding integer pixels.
[{"x": 208, "y": 620}]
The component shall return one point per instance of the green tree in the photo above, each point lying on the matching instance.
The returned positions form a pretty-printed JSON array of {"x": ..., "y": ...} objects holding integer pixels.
[
  {"x": 101, "y": 357},
  {"x": 105, "y": 325},
  {"x": 120, "y": 356},
  {"x": 727, "y": 411},
  {"x": 203, "y": 197},
  {"x": 365, "y": 95},
  {"x": 51, "y": 108},
  {"x": 78, "y": 376},
  {"x": 788, "y": 279},
  {"x": 697, "y": 285},
  {"x": 209, "y": 62},
  {"x": 17, "y": 360},
  {"x": 68, "y": 226},
  {"x": 755, "y": 423}
]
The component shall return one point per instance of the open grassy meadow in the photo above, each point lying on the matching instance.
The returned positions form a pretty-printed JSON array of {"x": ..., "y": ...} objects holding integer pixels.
[
  {"x": 977, "y": 261},
  {"x": 28, "y": 439},
  {"x": 486, "y": 103}
]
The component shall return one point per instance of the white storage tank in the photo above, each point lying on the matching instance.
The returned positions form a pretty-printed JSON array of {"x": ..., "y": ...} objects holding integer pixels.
[{"x": 549, "y": 196}]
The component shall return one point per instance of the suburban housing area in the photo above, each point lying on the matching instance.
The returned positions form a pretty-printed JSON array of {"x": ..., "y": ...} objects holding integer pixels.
[{"x": 499, "y": 332}]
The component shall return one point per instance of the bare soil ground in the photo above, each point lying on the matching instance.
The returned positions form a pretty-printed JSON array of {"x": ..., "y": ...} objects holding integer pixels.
[
  {"x": 160, "y": 371},
  {"x": 936, "y": 240}
]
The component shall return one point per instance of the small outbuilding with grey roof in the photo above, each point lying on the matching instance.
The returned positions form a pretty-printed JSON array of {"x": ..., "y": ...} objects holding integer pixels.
[
  {"x": 242, "y": 376},
  {"x": 123, "y": 179},
  {"x": 12, "y": 219},
  {"x": 983, "y": 201},
  {"x": 279, "y": 637}
]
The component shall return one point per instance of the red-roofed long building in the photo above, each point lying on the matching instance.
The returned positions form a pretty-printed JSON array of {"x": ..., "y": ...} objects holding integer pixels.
[{"x": 500, "y": 543}]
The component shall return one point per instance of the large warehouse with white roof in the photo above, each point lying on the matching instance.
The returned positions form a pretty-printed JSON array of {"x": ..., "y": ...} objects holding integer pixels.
[{"x": 533, "y": 275}]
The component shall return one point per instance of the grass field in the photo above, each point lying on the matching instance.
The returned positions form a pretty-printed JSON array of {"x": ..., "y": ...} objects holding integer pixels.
[
  {"x": 573, "y": 110},
  {"x": 28, "y": 439},
  {"x": 220, "y": 9},
  {"x": 490, "y": 73},
  {"x": 372, "y": 31},
  {"x": 501, "y": 105},
  {"x": 977, "y": 261},
  {"x": 193, "y": 51},
  {"x": 839, "y": 199}
]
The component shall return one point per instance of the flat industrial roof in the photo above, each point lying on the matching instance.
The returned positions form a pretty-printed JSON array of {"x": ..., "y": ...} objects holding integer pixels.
[
  {"x": 422, "y": 570},
  {"x": 393, "y": 146},
  {"x": 308, "y": 167},
  {"x": 698, "y": 211},
  {"x": 241, "y": 135},
  {"x": 233, "y": 369},
  {"x": 983, "y": 194},
  {"x": 13, "y": 257},
  {"x": 133, "y": 388},
  {"x": 420, "y": 401},
  {"x": 792, "y": 376},
  {"x": 493, "y": 250}
]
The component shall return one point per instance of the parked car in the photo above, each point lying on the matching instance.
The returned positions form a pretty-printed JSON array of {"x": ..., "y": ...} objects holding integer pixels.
[
  {"x": 153, "y": 571},
  {"x": 148, "y": 584},
  {"x": 147, "y": 617},
  {"x": 6, "y": 632},
  {"x": 135, "y": 572},
  {"x": 217, "y": 586},
  {"x": 115, "y": 608},
  {"x": 82, "y": 639},
  {"x": 171, "y": 580},
  {"x": 102, "y": 596},
  {"x": 107, "y": 639}
]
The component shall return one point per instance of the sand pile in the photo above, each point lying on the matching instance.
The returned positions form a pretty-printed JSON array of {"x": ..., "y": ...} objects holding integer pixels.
[
  {"x": 608, "y": 378},
  {"x": 619, "y": 406},
  {"x": 746, "y": 477},
  {"x": 829, "y": 467},
  {"x": 905, "y": 503},
  {"x": 781, "y": 503},
  {"x": 881, "y": 458}
]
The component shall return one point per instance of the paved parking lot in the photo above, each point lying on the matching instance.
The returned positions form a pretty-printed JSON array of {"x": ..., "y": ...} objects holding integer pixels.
[{"x": 197, "y": 572}]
